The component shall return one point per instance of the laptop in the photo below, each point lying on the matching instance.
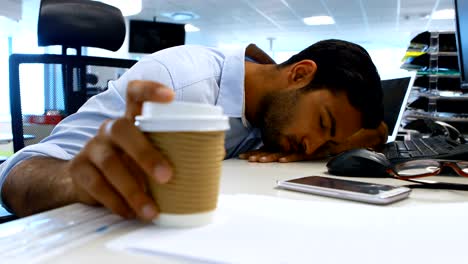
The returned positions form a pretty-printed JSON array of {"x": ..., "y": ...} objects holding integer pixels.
[{"x": 396, "y": 94}]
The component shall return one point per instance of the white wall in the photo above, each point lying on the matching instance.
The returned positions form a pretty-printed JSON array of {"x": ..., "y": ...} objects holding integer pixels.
[{"x": 388, "y": 62}]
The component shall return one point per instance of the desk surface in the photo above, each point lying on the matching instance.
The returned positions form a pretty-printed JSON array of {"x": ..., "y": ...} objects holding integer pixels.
[{"x": 241, "y": 177}]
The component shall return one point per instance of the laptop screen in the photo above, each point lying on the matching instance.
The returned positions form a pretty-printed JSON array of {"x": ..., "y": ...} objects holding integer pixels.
[{"x": 396, "y": 93}]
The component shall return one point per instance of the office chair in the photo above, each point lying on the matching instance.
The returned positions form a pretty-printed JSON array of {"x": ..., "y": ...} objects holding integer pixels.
[{"x": 72, "y": 24}]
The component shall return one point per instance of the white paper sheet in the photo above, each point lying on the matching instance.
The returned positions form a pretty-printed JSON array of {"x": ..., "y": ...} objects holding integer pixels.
[{"x": 261, "y": 229}]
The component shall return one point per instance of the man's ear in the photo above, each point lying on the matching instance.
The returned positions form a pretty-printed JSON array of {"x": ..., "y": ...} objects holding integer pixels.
[{"x": 302, "y": 73}]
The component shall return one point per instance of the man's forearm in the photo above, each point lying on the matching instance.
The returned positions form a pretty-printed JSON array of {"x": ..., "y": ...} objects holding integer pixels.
[{"x": 38, "y": 184}]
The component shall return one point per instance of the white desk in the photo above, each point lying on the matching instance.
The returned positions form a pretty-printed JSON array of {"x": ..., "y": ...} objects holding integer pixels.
[{"x": 241, "y": 177}]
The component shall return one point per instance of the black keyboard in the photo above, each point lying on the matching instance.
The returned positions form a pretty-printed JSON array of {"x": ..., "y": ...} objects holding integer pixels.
[{"x": 439, "y": 147}]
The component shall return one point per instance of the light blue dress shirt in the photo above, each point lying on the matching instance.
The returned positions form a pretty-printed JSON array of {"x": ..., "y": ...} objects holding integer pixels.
[{"x": 196, "y": 73}]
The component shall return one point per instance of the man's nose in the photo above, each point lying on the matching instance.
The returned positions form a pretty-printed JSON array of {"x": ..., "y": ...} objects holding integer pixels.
[{"x": 312, "y": 144}]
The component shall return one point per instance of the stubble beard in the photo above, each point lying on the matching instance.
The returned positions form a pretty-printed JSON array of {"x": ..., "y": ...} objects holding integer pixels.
[{"x": 275, "y": 113}]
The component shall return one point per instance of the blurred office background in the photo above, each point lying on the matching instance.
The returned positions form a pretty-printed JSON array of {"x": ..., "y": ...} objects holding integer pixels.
[{"x": 280, "y": 27}]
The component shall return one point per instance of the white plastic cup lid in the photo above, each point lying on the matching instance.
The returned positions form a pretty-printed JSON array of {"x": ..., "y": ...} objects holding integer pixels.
[{"x": 181, "y": 116}]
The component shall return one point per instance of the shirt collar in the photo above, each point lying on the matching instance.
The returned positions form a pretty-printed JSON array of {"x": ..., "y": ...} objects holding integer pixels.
[{"x": 232, "y": 90}]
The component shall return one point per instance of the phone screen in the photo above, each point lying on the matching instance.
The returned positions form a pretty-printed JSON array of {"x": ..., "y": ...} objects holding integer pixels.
[{"x": 352, "y": 186}]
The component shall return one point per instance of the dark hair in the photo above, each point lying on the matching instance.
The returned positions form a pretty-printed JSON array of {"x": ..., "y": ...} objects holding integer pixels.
[{"x": 345, "y": 66}]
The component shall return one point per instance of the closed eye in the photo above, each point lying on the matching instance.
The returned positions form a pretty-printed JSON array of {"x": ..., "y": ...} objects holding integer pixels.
[
  {"x": 332, "y": 123},
  {"x": 304, "y": 147},
  {"x": 322, "y": 126}
]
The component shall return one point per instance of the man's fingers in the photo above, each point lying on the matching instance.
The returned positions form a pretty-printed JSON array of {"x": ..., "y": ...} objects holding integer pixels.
[
  {"x": 255, "y": 157},
  {"x": 247, "y": 154},
  {"x": 139, "y": 92},
  {"x": 262, "y": 155},
  {"x": 127, "y": 137},
  {"x": 244, "y": 156},
  {"x": 293, "y": 157},
  {"x": 265, "y": 157},
  {"x": 136, "y": 171},
  {"x": 270, "y": 157},
  {"x": 108, "y": 161},
  {"x": 90, "y": 180}
]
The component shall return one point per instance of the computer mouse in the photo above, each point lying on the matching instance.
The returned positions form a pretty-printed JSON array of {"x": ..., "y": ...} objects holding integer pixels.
[{"x": 359, "y": 163}]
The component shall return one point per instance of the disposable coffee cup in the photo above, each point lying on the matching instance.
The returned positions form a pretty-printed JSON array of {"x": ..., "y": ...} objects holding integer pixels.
[{"x": 191, "y": 136}]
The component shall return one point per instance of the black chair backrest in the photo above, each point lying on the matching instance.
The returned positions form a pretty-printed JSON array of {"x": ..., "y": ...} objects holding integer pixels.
[{"x": 80, "y": 23}]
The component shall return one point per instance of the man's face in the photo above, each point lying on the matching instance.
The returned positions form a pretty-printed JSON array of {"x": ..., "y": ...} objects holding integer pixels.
[{"x": 295, "y": 121}]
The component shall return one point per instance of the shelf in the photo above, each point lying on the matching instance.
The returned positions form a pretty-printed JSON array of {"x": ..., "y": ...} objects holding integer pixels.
[
  {"x": 445, "y": 95},
  {"x": 435, "y": 58},
  {"x": 454, "y": 75},
  {"x": 441, "y": 116},
  {"x": 441, "y": 74},
  {"x": 444, "y": 53}
]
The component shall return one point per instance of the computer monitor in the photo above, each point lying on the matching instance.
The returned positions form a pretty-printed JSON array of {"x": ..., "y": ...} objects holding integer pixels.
[
  {"x": 151, "y": 36},
  {"x": 461, "y": 19}
]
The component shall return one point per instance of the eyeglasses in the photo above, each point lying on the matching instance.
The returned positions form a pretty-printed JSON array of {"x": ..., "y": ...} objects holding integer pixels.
[
  {"x": 410, "y": 170},
  {"x": 425, "y": 168}
]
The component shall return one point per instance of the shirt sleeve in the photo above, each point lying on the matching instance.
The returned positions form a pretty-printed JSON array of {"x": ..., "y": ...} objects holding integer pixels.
[{"x": 70, "y": 135}]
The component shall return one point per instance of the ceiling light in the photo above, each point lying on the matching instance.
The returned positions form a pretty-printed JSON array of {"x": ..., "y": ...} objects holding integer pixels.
[
  {"x": 319, "y": 20},
  {"x": 443, "y": 14},
  {"x": 180, "y": 16},
  {"x": 191, "y": 28},
  {"x": 127, "y": 7}
]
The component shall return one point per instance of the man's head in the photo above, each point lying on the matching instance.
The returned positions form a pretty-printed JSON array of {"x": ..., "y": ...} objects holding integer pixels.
[{"x": 333, "y": 90}]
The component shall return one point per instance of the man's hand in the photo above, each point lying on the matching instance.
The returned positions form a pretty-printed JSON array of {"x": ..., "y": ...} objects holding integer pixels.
[
  {"x": 364, "y": 138},
  {"x": 111, "y": 168},
  {"x": 263, "y": 155}
]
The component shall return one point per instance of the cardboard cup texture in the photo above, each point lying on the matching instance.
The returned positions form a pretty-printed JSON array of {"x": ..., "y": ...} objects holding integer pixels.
[
  {"x": 196, "y": 158},
  {"x": 191, "y": 137}
]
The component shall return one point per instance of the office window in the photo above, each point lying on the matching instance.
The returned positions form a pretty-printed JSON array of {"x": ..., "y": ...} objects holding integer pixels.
[
  {"x": 31, "y": 75},
  {"x": 4, "y": 83}
]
